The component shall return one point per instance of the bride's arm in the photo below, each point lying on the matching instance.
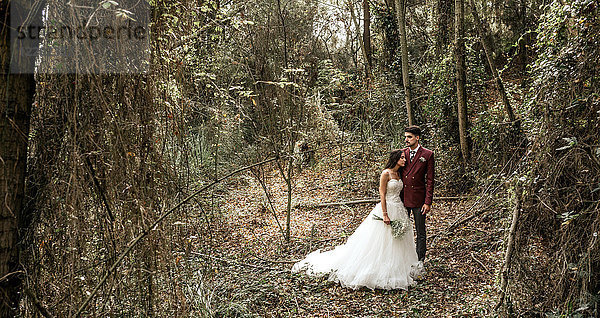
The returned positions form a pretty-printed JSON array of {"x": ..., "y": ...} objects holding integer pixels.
[{"x": 383, "y": 180}]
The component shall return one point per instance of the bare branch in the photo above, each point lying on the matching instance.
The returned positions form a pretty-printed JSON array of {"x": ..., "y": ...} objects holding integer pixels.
[{"x": 147, "y": 230}]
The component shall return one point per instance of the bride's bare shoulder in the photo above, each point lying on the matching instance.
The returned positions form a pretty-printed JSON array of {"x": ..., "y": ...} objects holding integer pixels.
[{"x": 387, "y": 172}]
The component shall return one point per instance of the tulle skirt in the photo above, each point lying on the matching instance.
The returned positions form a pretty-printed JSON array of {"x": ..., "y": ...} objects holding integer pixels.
[{"x": 371, "y": 257}]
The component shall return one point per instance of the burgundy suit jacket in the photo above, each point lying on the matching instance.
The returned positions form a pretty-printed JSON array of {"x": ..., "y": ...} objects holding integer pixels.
[{"x": 418, "y": 178}]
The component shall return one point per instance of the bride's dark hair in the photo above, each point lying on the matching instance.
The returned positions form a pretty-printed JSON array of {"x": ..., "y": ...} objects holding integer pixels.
[{"x": 395, "y": 155}]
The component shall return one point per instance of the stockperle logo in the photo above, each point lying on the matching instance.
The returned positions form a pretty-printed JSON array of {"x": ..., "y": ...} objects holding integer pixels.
[
  {"x": 82, "y": 32},
  {"x": 85, "y": 37}
]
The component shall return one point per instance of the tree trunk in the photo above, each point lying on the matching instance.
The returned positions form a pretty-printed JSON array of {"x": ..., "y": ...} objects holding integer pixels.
[
  {"x": 400, "y": 14},
  {"x": 523, "y": 39},
  {"x": 485, "y": 39},
  {"x": 441, "y": 28},
  {"x": 284, "y": 30},
  {"x": 16, "y": 96},
  {"x": 363, "y": 49},
  {"x": 288, "y": 208},
  {"x": 367, "y": 37},
  {"x": 459, "y": 54},
  {"x": 506, "y": 265}
]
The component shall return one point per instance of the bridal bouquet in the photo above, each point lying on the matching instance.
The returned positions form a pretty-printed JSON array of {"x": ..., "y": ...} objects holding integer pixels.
[{"x": 399, "y": 227}]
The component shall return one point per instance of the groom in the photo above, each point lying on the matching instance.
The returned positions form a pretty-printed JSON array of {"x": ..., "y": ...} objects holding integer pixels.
[{"x": 418, "y": 180}]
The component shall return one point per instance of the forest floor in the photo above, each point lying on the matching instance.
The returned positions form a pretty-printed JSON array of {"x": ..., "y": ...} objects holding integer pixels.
[{"x": 247, "y": 265}]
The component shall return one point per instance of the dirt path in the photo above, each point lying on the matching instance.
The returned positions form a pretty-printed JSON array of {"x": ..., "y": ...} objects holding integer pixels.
[{"x": 248, "y": 264}]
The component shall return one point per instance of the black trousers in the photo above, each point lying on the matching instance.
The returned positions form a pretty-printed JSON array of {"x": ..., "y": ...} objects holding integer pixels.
[{"x": 421, "y": 233}]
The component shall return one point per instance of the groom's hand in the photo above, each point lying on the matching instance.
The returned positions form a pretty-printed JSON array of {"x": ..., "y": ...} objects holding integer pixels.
[{"x": 425, "y": 209}]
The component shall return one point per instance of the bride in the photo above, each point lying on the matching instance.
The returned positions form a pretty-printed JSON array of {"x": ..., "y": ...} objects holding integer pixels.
[{"x": 373, "y": 257}]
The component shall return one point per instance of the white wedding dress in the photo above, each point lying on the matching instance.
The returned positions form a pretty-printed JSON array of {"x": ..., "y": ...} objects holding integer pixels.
[{"x": 371, "y": 257}]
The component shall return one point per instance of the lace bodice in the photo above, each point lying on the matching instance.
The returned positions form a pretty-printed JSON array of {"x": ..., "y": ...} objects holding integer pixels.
[{"x": 393, "y": 190}]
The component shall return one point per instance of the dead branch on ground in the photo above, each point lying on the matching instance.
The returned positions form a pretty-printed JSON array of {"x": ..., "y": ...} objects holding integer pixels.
[{"x": 361, "y": 201}]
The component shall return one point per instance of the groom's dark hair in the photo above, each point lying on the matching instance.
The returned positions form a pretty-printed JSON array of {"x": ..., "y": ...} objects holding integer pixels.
[{"x": 414, "y": 129}]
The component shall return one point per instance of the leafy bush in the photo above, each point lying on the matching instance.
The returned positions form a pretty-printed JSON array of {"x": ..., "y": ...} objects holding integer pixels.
[{"x": 557, "y": 238}]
